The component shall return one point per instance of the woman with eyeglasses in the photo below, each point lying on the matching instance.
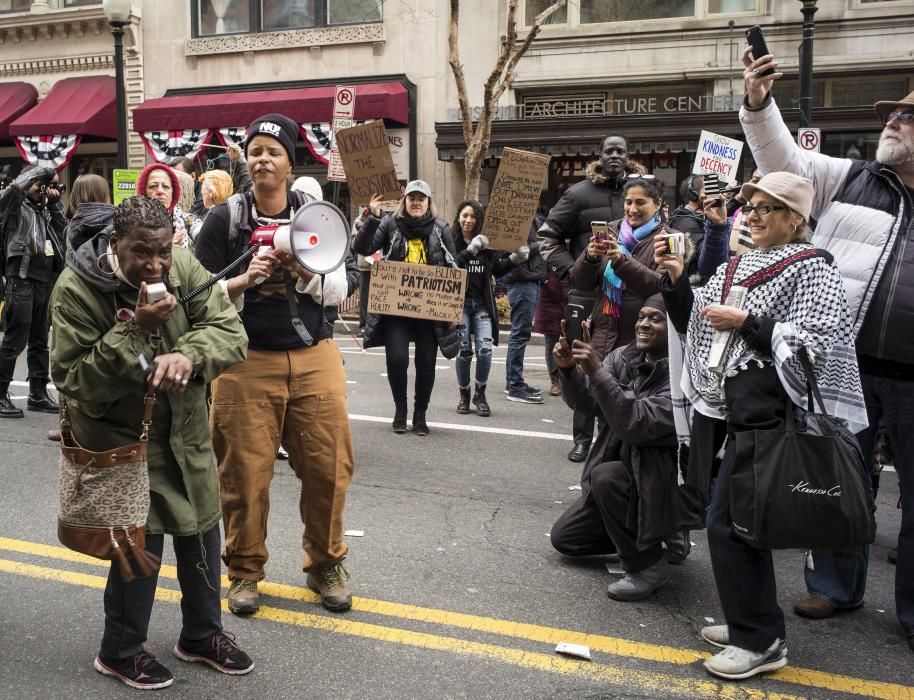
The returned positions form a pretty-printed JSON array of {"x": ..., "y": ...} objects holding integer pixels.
[{"x": 795, "y": 300}]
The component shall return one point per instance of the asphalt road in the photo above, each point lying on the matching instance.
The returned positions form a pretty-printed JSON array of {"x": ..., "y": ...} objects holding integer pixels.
[{"x": 458, "y": 593}]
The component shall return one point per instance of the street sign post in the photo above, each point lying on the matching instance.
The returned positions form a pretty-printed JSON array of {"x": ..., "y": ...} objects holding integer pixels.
[{"x": 343, "y": 113}]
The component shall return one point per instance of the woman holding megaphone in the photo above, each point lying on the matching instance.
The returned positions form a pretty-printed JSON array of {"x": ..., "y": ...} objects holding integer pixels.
[
  {"x": 292, "y": 388},
  {"x": 412, "y": 234}
]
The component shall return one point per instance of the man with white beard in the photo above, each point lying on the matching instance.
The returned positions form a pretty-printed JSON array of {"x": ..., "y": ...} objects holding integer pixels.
[{"x": 865, "y": 219}]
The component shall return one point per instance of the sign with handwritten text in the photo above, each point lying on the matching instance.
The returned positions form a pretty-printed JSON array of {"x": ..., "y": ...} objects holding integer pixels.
[
  {"x": 418, "y": 291},
  {"x": 367, "y": 162},
  {"x": 514, "y": 198}
]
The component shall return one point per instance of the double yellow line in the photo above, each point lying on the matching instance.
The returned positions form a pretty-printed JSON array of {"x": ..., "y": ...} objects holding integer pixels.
[{"x": 642, "y": 682}]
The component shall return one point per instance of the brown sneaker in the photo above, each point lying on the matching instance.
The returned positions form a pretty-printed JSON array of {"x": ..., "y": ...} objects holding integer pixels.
[
  {"x": 555, "y": 389},
  {"x": 814, "y": 607},
  {"x": 329, "y": 581},
  {"x": 243, "y": 598}
]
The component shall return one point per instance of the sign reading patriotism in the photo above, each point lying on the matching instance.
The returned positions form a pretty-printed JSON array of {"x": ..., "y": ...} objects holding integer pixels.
[
  {"x": 418, "y": 291},
  {"x": 124, "y": 182},
  {"x": 343, "y": 111},
  {"x": 367, "y": 162},
  {"x": 514, "y": 198},
  {"x": 717, "y": 154}
]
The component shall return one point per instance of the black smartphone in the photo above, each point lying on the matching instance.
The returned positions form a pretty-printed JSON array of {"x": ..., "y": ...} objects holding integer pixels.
[
  {"x": 759, "y": 48},
  {"x": 575, "y": 315},
  {"x": 712, "y": 184}
]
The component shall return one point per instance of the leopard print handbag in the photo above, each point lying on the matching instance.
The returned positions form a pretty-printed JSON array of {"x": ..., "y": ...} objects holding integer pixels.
[{"x": 104, "y": 499}]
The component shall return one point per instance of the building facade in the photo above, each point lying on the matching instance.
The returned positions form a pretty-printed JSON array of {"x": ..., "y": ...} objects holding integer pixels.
[{"x": 658, "y": 72}]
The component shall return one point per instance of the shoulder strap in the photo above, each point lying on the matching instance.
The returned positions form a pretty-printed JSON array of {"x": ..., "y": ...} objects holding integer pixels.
[
  {"x": 769, "y": 273},
  {"x": 395, "y": 238},
  {"x": 448, "y": 258},
  {"x": 237, "y": 207}
]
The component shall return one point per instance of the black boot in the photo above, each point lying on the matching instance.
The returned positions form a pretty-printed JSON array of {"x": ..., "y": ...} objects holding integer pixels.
[
  {"x": 399, "y": 423},
  {"x": 39, "y": 399},
  {"x": 479, "y": 400},
  {"x": 464, "y": 405},
  {"x": 420, "y": 427},
  {"x": 7, "y": 408}
]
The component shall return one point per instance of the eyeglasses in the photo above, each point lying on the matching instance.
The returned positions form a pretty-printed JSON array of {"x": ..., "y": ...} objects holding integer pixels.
[
  {"x": 761, "y": 209},
  {"x": 637, "y": 176},
  {"x": 903, "y": 117}
]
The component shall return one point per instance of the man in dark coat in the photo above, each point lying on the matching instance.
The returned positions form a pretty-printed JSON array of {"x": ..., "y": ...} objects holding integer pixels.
[
  {"x": 567, "y": 231},
  {"x": 628, "y": 483}
]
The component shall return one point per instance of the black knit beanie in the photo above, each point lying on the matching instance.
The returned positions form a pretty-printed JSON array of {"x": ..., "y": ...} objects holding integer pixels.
[
  {"x": 655, "y": 302},
  {"x": 275, "y": 126}
]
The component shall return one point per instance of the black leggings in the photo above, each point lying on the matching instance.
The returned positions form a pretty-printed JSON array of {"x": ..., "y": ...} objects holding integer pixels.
[{"x": 399, "y": 332}]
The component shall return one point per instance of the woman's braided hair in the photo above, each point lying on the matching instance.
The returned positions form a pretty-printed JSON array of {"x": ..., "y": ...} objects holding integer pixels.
[{"x": 140, "y": 211}]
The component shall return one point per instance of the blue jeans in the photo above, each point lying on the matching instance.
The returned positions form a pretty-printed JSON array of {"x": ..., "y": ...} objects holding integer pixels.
[
  {"x": 477, "y": 322},
  {"x": 840, "y": 576},
  {"x": 522, "y": 297}
]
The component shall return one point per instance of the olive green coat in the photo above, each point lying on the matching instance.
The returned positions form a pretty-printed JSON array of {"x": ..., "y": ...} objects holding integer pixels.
[{"x": 94, "y": 363}]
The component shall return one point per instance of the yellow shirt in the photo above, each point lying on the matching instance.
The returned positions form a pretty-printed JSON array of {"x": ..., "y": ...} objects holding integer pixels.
[{"x": 415, "y": 251}]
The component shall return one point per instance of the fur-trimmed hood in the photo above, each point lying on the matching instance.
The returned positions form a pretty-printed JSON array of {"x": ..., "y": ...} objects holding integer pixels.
[{"x": 596, "y": 175}]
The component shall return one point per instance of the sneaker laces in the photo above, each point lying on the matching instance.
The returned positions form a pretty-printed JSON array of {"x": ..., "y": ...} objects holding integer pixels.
[
  {"x": 143, "y": 660},
  {"x": 223, "y": 644},
  {"x": 335, "y": 576},
  {"x": 243, "y": 584}
]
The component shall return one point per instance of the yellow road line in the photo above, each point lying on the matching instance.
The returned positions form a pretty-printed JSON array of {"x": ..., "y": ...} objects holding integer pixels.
[
  {"x": 520, "y": 630},
  {"x": 642, "y": 682}
]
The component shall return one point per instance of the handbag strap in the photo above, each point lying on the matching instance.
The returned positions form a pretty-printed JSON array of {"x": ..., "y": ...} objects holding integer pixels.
[
  {"x": 812, "y": 385},
  {"x": 765, "y": 274}
]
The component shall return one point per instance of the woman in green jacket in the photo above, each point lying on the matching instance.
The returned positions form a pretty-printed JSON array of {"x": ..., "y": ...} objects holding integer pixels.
[{"x": 103, "y": 322}]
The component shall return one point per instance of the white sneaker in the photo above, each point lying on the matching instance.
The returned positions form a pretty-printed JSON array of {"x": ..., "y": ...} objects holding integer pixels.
[
  {"x": 734, "y": 663},
  {"x": 716, "y": 635}
]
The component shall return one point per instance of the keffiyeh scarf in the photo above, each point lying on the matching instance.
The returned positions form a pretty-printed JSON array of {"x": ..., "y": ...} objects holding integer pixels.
[{"x": 808, "y": 303}]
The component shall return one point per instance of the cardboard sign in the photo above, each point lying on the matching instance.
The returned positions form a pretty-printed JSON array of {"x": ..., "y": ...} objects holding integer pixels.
[
  {"x": 367, "y": 162},
  {"x": 124, "y": 182},
  {"x": 418, "y": 291},
  {"x": 718, "y": 154},
  {"x": 514, "y": 198}
]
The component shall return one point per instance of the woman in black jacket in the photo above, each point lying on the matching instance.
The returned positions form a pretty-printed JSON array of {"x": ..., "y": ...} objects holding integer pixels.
[
  {"x": 412, "y": 234},
  {"x": 480, "y": 317}
]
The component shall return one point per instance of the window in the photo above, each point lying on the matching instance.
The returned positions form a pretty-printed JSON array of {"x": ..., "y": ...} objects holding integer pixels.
[
  {"x": 15, "y": 5},
  {"x": 77, "y": 3},
  {"x": 241, "y": 16},
  {"x": 857, "y": 93},
  {"x": 716, "y": 7},
  {"x": 594, "y": 11},
  {"x": 534, "y": 7}
]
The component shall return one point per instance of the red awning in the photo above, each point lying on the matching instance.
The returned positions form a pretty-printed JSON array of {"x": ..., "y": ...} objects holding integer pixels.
[
  {"x": 15, "y": 99},
  {"x": 303, "y": 105},
  {"x": 81, "y": 106}
]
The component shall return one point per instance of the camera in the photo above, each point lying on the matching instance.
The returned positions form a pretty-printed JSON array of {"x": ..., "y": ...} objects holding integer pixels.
[{"x": 675, "y": 243}]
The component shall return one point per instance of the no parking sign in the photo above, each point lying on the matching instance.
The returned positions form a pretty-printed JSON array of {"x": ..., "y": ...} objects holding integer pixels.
[{"x": 810, "y": 139}]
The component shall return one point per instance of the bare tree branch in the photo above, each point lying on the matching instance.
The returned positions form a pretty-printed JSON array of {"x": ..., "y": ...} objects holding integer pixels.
[{"x": 457, "y": 69}]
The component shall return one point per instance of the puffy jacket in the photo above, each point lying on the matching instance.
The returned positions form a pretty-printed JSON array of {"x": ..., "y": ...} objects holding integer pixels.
[
  {"x": 566, "y": 232},
  {"x": 637, "y": 430},
  {"x": 864, "y": 219},
  {"x": 382, "y": 234}
]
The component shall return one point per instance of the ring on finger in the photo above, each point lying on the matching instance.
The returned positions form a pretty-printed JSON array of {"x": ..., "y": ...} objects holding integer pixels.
[
  {"x": 756, "y": 73},
  {"x": 177, "y": 377},
  {"x": 183, "y": 382}
]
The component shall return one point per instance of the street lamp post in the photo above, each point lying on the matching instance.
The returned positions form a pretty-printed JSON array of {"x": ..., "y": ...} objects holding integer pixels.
[
  {"x": 809, "y": 31},
  {"x": 118, "y": 14}
]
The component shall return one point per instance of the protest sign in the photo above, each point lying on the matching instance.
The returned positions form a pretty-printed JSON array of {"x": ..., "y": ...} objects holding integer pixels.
[
  {"x": 367, "y": 162},
  {"x": 718, "y": 154},
  {"x": 343, "y": 113},
  {"x": 124, "y": 182},
  {"x": 418, "y": 291},
  {"x": 514, "y": 198}
]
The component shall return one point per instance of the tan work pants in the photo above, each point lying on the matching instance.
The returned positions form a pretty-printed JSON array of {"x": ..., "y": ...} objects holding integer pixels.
[{"x": 298, "y": 397}]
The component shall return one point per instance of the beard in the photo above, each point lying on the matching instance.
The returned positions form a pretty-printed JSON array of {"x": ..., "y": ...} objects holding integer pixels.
[{"x": 895, "y": 152}]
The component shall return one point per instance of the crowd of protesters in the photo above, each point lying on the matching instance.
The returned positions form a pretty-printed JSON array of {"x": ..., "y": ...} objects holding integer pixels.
[{"x": 653, "y": 420}]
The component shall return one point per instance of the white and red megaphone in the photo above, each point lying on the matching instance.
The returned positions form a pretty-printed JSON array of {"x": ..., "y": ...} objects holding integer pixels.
[{"x": 318, "y": 237}]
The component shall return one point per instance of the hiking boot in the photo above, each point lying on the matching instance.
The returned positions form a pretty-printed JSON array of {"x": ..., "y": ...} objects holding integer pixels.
[
  {"x": 677, "y": 547},
  {"x": 555, "y": 389},
  {"x": 39, "y": 400},
  {"x": 464, "y": 405},
  {"x": 218, "y": 651},
  {"x": 638, "y": 585},
  {"x": 138, "y": 671},
  {"x": 734, "y": 663},
  {"x": 329, "y": 581},
  {"x": 716, "y": 635},
  {"x": 8, "y": 409},
  {"x": 420, "y": 427},
  {"x": 479, "y": 400},
  {"x": 814, "y": 607},
  {"x": 399, "y": 424},
  {"x": 242, "y": 596},
  {"x": 523, "y": 396}
]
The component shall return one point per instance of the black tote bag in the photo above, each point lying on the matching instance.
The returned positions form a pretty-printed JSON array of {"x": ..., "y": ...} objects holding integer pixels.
[{"x": 802, "y": 487}]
